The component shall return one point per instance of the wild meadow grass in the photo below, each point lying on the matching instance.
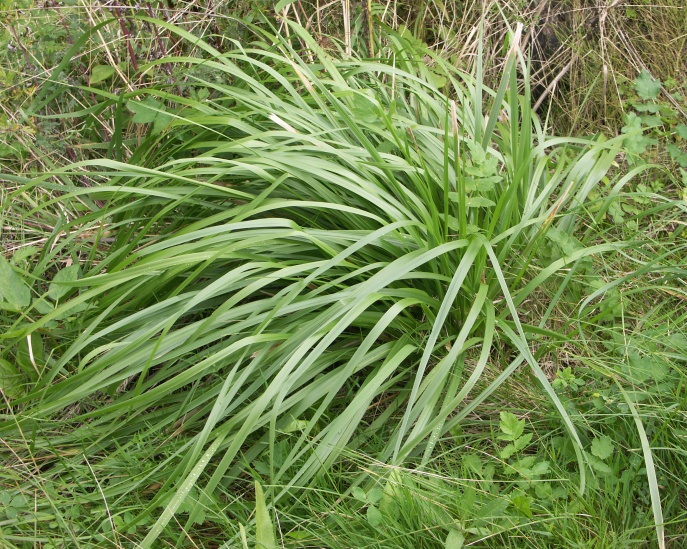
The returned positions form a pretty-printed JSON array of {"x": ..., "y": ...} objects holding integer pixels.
[{"x": 376, "y": 287}]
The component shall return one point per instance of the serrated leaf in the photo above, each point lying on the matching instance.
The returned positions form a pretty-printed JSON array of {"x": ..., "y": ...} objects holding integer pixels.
[
  {"x": 681, "y": 130},
  {"x": 648, "y": 108},
  {"x": 479, "y": 202},
  {"x": 528, "y": 467},
  {"x": 454, "y": 540},
  {"x": 678, "y": 155},
  {"x": 374, "y": 516},
  {"x": 543, "y": 490},
  {"x": 522, "y": 441},
  {"x": 13, "y": 287},
  {"x": 511, "y": 426},
  {"x": 24, "y": 252},
  {"x": 100, "y": 73},
  {"x": 144, "y": 111},
  {"x": 643, "y": 368},
  {"x": 616, "y": 212},
  {"x": 295, "y": 426},
  {"x": 481, "y": 184},
  {"x": 473, "y": 462},
  {"x": 650, "y": 121},
  {"x": 599, "y": 466},
  {"x": 244, "y": 537},
  {"x": 632, "y": 123},
  {"x": 364, "y": 109},
  {"x": 264, "y": 532},
  {"x": 647, "y": 87},
  {"x": 602, "y": 447},
  {"x": 522, "y": 504},
  {"x": 149, "y": 111},
  {"x": 507, "y": 451},
  {"x": 57, "y": 288},
  {"x": 11, "y": 380},
  {"x": 538, "y": 469}
]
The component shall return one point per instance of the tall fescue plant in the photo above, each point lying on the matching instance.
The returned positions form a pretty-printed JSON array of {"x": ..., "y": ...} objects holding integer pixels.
[{"x": 333, "y": 248}]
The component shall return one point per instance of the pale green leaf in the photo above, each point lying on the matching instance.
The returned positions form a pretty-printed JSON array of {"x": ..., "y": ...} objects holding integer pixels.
[
  {"x": 359, "y": 494},
  {"x": 24, "y": 252},
  {"x": 678, "y": 155},
  {"x": 375, "y": 495},
  {"x": 646, "y": 86},
  {"x": 602, "y": 447},
  {"x": 374, "y": 516},
  {"x": 59, "y": 287},
  {"x": 479, "y": 202},
  {"x": 511, "y": 426},
  {"x": 13, "y": 287},
  {"x": 454, "y": 540},
  {"x": 282, "y": 4},
  {"x": 507, "y": 451},
  {"x": 42, "y": 306},
  {"x": 264, "y": 531},
  {"x": 11, "y": 380},
  {"x": 100, "y": 73}
]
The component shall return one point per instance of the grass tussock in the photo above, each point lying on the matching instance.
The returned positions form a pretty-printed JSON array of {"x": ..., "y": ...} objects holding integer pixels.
[{"x": 373, "y": 284}]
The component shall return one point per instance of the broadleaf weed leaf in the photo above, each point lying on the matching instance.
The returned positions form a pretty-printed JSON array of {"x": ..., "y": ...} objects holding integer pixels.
[
  {"x": 647, "y": 87},
  {"x": 511, "y": 426},
  {"x": 602, "y": 447}
]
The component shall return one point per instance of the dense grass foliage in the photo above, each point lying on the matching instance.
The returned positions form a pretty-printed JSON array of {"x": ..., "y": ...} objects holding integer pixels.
[{"x": 305, "y": 258}]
